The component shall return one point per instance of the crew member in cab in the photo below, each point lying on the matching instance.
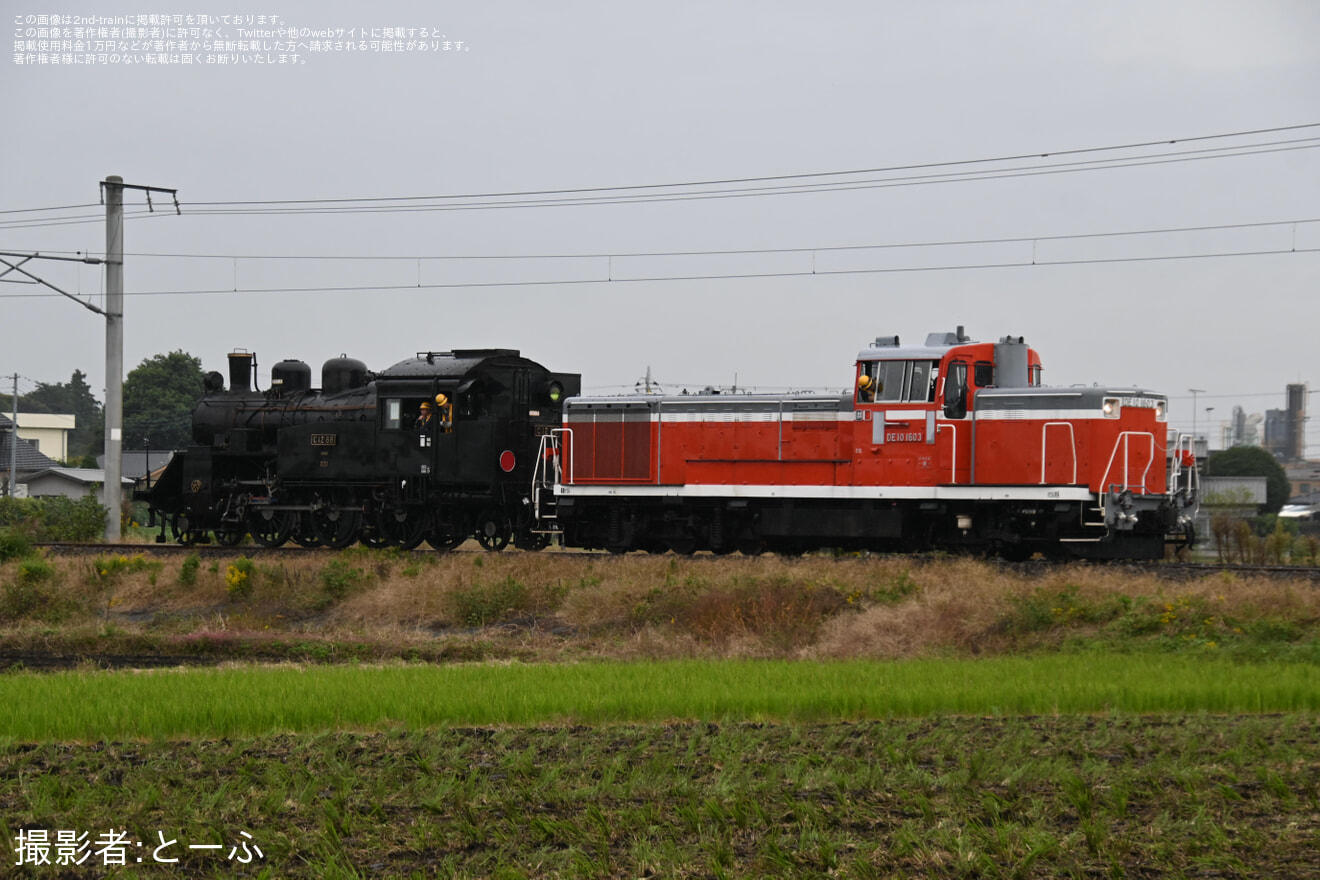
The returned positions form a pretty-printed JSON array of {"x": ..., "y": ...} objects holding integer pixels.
[{"x": 446, "y": 412}]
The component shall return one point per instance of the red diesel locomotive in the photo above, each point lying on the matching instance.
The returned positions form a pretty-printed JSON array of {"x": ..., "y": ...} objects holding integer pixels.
[{"x": 953, "y": 444}]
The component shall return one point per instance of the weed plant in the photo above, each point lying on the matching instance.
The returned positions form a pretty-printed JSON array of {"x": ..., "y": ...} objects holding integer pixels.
[{"x": 551, "y": 607}]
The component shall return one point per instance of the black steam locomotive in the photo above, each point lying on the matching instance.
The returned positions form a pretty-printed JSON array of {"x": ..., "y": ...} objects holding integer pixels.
[{"x": 439, "y": 448}]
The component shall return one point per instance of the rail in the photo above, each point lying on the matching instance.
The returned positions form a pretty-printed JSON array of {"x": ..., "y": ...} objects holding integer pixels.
[
  {"x": 1072, "y": 445},
  {"x": 1124, "y": 440}
]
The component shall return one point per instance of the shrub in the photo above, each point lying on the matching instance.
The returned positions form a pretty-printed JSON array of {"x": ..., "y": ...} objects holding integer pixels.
[
  {"x": 188, "y": 571},
  {"x": 481, "y": 604},
  {"x": 55, "y": 519},
  {"x": 35, "y": 570},
  {"x": 28, "y": 596},
  {"x": 14, "y": 545},
  {"x": 108, "y": 568},
  {"x": 238, "y": 579},
  {"x": 338, "y": 579}
]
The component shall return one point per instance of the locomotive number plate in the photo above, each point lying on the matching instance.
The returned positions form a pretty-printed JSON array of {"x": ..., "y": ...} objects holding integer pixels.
[{"x": 325, "y": 439}]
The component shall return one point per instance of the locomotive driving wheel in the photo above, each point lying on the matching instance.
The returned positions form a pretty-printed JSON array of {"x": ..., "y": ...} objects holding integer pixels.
[
  {"x": 336, "y": 527},
  {"x": 493, "y": 530},
  {"x": 270, "y": 528},
  {"x": 183, "y": 532},
  {"x": 402, "y": 527},
  {"x": 304, "y": 531},
  {"x": 230, "y": 535}
]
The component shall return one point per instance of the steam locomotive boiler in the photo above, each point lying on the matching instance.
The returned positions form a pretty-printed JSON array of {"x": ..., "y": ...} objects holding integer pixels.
[{"x": 440, "y": 447}]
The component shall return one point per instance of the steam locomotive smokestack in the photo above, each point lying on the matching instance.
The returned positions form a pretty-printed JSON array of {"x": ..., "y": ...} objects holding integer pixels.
[{"x": 240, "y": 371}]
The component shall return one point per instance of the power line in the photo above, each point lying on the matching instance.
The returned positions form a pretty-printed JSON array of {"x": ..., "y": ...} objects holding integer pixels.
[
  {"x": 802, "y": 176},
  {"x": 797, "y": 189},
  {"x": 1022, "y": 239},
  {"x": 779, "y": 184},
  {"x": 378, "y": 288}
]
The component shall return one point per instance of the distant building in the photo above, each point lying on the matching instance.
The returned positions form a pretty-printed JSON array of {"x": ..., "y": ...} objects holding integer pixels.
[
  {"x": 1304, "y": 477},
  {"x": 48, "y": 433},
  {"x": 70, "y": 482},
  {"x": 1302, "y": 508},
  {"x": 1237, "y": 497},
  {"x": 1285, "y": 429},
  {"x": 29, "y": 458}
]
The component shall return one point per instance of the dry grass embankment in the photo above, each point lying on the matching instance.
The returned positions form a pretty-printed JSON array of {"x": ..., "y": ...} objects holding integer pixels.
[{"x": 362, "y": 604}]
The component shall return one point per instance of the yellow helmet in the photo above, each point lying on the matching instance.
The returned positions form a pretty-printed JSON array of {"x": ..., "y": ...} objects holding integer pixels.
[
  {"x": 426, "y": 405},
  {"x": 864, "y": 382},
  {"x": 441, "y": 400}
]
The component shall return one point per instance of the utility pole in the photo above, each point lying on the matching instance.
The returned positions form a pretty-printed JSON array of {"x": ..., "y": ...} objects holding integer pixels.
[
  {"x": 114, "y": 353},
  {"x": 113, "y": 188},
  {"x": 13, "y": 442},
  {"x": 1194, "y": 392},
  {"x": 112, "y": 194}
]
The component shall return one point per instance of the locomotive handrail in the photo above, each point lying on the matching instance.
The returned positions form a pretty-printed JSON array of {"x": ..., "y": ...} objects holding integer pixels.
[
  {"x": 1124, "y": 438},
  {"x": 953, "y": 469},
  {"x": 1175, "y": 473},
  {"x": 547, "y": 447},
  {"x": 1044, "y": 432}
]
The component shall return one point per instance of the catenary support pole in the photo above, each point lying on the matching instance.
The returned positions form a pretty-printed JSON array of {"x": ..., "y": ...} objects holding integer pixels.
[
  {"x": 13, "y": 443},
  {"x": 114, "y": 352}
]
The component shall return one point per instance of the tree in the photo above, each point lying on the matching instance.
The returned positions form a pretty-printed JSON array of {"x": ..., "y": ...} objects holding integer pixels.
[
  {"x": 73, "y": 397},
  {"x": 1253, "y": 461},
  {"x": 160, "y": 395}
]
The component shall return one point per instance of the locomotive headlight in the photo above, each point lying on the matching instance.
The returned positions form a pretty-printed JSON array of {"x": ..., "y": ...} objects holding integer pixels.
[
  {"x": 1161, "y": 415},
  {"x": 556, "y": 392},
  {"x": 1111, "y": 406}
]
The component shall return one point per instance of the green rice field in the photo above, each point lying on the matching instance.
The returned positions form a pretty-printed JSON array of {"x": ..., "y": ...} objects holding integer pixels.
[{"x": 252, "y": 700}]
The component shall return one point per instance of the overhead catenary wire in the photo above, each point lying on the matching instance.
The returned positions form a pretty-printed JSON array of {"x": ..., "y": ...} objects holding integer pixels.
[
  {"x": 802, "y": 249},
  {"x": 807, "y": 175},
  {"x": 745, "y": 186},
  {"x": 614, "y": 279}
]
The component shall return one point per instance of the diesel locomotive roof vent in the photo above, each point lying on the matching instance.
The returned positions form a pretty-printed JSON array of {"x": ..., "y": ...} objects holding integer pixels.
[
  {"x": 1012, "y": 363},
  {"x": 885, "y": 342}
]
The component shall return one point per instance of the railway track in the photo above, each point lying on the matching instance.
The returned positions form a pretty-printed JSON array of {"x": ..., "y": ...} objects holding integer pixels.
[{"x": 1172, "y": 570}]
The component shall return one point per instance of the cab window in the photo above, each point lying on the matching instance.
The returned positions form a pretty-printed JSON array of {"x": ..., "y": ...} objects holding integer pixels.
[
  {"x": 897, "y": 381},
  {"x": 393, "y": 414}
]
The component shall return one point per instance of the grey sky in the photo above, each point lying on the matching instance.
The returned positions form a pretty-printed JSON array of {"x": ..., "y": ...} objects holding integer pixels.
[{"x": 555, "y": 96}]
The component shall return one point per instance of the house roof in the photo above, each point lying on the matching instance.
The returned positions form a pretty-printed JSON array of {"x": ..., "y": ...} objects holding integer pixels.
[
  {"x": 86, "y": 476},
  {"x": 133, "y": 462},
  {"x": 28, "y": 458}
]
